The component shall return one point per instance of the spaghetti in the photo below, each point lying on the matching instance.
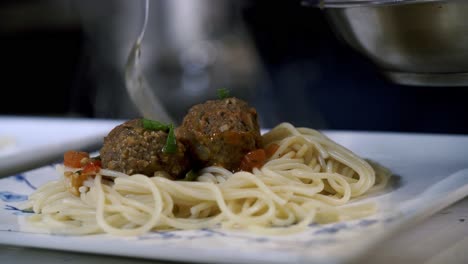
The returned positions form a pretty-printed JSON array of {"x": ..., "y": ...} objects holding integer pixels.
[{"x": 308, "y": 179}]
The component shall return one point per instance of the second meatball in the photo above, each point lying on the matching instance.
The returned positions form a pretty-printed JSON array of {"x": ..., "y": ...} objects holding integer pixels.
[{"x": 220, "y": 132}]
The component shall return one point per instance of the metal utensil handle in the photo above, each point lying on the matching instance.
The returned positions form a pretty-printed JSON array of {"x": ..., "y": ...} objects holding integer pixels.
[{"x": 140, "y": 93}]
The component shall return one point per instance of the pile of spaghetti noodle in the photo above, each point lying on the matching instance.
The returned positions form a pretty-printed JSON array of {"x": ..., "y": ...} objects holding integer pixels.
[{"x": 309, "y": 179}]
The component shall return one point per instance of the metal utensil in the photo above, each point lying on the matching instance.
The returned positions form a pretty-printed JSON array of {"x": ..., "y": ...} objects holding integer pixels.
[{"x": 137, "y": 87}]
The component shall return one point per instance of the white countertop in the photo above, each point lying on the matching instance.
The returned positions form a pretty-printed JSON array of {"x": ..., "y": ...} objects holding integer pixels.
[{"x": 443, "y": 238}]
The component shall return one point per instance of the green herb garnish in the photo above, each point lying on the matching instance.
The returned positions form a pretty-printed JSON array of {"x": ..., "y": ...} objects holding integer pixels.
[
  {"x": 171, "y": 143},
  {"x": 223, "y": 93},
  {"x": 191, "y": 176},
  {"x": 155, "y": 125}
]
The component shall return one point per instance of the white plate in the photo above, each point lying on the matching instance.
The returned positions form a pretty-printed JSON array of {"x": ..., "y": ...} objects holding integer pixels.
[
  {"x": 429, "y": 173},
  {"x": 29, "y": 142}
]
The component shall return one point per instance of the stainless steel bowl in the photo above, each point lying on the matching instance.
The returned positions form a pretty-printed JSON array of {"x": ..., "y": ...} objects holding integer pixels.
[{"x": 414, "y": 42}]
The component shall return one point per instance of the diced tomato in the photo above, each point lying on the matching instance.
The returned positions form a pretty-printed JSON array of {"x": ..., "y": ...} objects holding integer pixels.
[
  {"x": 97, "y": 162},
  {"x": 271, "y": 149},
  {"x": 92, "y": 167},
  {"x": 253, "y": 159},
  {"x": 73, "y": 158}
]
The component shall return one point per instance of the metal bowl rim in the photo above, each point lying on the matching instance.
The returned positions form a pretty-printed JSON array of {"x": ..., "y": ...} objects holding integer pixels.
[{"x": 360, "y": 3}]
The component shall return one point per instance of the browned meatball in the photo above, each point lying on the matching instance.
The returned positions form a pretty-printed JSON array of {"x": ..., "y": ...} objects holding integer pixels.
[
  {"x": 132, "y": 149},
  {"x": 220, "y": 132}
]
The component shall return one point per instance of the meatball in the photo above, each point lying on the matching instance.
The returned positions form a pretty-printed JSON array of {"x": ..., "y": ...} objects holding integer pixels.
[
  {"x": 220, "y": 132},
  {"x": 131, "y": 149}
]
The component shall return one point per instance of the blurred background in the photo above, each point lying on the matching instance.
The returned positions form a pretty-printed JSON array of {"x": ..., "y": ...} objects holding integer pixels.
[{"x": 66, "y": 58}]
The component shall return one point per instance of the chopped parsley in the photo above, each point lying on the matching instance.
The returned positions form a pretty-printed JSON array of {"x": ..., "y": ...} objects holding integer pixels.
[
  {"x": 191, "y": 176},
  {"x": 223, "y": 93},
  {"x": 155, "y": 125},
  {"x": 171, "y": 143}
]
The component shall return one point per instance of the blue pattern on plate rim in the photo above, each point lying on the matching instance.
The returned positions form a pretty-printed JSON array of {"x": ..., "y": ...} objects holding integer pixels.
[
  {"x": 319, "y": 234},
  {"x": 17, "y": 211},
  {"x": 7, "y": 196},
  {"x": 22, "y": 178}
]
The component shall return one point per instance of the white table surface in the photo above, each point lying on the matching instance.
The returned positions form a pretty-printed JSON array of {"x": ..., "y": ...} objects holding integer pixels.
[{"x": 443, "y": 238}]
